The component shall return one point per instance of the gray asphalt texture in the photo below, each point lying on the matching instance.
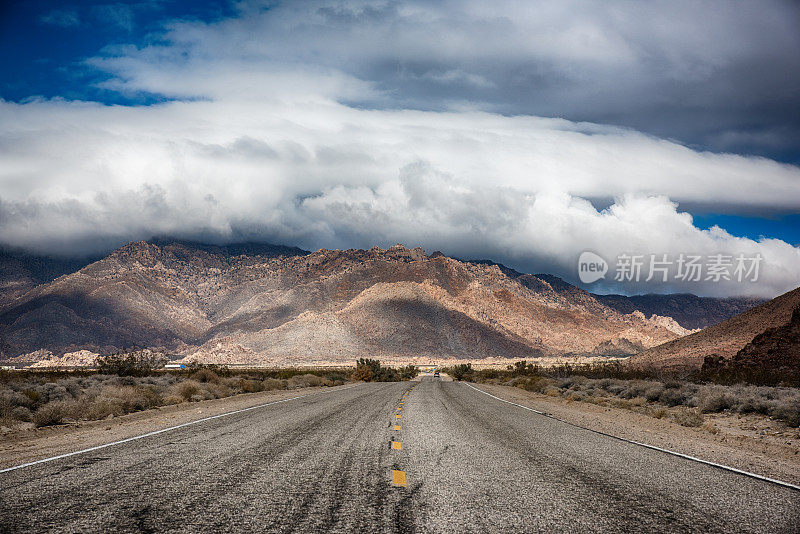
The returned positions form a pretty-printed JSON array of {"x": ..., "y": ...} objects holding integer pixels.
[{"x": 323, "y": 463}]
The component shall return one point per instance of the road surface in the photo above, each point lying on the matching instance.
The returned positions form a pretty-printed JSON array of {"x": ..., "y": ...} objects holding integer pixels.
[{"x": 327, "y": 462}]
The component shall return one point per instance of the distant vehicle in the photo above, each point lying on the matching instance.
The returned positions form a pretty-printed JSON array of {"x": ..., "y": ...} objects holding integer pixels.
[
  {"x": 436, "y": 374},
  {"x": 175, "y": 366}
]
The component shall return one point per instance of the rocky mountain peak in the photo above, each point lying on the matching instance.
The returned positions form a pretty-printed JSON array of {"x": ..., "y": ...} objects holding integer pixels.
[{"x": 265, "y": 303}]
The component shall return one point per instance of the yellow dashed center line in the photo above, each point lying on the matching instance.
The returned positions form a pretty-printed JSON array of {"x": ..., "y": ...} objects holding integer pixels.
[{"x": 398, "y": 477}]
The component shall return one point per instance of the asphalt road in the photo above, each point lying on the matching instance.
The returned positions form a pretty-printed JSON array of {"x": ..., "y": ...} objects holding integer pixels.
[{"x": 326, "y": 463}]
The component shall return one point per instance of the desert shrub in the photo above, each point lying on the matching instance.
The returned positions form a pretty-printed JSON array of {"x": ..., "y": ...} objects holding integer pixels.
[
  {"x": 537, "y": 384},
  {"x": 306, "y": 380},
  {"x": 218, "y": 391},
  {"x": 653, "y": 392},
  {"x": 337, "y": 377},
  {"x": 34, "y": 396},
  {"x": 98, "y": 408},
  {"x": 52, "y": 413},
  {"x": 715, "y": 401},
  {"x": 575, "y": 383},
  {"x": 133, "y": 398},
  {"x": 51, "y": 392},
  {"x": 5, "y": 407},
  {"x": 116, "y": 401},
  {"x": 171, "y": 399},
  {"x": 576, "y": 396},
  {"x": 187, "y": 389},
  {"x": 789, "y": 413},
  {"x": 633, "y": 389},
  {"x": 362, "y": 373},
  {"x": 16, "y": 398},
  {"x": 250, "y": 386},
  {"x": 491, "y": 374},
  {"x": 637, "y": 401},
  {"x": 205, "y": 375},
  {"x": 615, "y": 389},
  {"x": 659, "y": 413},
  {"x": 72, "y": 386},
  {"x": 369, "y": 370},
  {"x": 140, "y": 363},
  {"x": 752, "y": 404},
  {"x": 462, "y": 371},
  {"x": 21, "y": 413},
  {"x": 273, "y": 383},
  {"x": 605, "y": 383},
  {"x": 90, "y": 395},
  {"x": 201, "y": 395},
  {"x": 619, "y": 371},
  {"x": 673, "y": 396},
  {"x": 688, "y": 417},
  {"x": 230, "y": 382},
  {"x": 521, "y": 368}
]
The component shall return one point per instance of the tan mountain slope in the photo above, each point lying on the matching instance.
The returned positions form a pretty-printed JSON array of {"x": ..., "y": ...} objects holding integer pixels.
[
  {"x": 284, "y": 305},
  {"x": 724, "y": 339}
]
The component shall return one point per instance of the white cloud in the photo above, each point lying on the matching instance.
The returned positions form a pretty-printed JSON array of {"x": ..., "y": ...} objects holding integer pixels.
[
  {"x": 278, "y": 142},
  {"x": 318, "y": 173}
]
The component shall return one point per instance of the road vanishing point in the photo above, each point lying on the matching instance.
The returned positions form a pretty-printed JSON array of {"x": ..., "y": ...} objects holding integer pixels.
[{"x": 425, "y": 456}]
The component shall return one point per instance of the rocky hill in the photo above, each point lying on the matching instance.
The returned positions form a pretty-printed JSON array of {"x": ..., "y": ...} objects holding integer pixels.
[
  {"x": 690, "y": 311},
  {"x": 775, "y": 350},
  {"x": 725, "y": 339},
  {"x": 258, "y": 303},
  {"x": 20, "y": 272}
]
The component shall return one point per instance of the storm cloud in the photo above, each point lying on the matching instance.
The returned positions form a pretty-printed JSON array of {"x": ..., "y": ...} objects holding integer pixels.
[
  {"x": 719, "y": 76},
  {"x": 482, "y": 132}
]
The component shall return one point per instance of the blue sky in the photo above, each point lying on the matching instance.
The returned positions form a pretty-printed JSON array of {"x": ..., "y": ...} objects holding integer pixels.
[
  {"x": 46, "y": 43},
  {"x": 459, "y": 126},
  {"x": 779, "y": 226}
]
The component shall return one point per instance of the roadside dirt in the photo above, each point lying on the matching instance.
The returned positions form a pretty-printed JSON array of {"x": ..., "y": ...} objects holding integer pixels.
[
  {"x": 27, "y": 445},
  {"x": 750, "y": 443}
]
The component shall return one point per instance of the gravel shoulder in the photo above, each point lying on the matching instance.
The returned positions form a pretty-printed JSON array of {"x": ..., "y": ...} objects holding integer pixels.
[
  {"x": 31, "y": 444},
  {"x": 726, "y": 439}
]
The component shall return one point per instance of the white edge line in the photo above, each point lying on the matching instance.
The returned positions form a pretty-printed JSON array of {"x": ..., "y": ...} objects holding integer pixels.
[
  {"x": 653, "y": 447},
  {"x": 161, "y": 431}
]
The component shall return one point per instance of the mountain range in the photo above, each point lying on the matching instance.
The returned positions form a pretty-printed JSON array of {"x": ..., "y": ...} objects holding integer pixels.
[
  {"x": 259, "y": 303},
  {"x": 765, "y": 330}
]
